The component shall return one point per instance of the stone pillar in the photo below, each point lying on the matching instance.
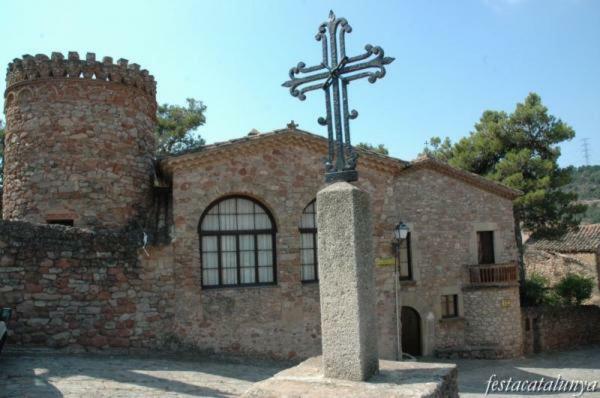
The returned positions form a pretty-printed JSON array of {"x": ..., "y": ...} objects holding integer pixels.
[{"x": 346, "y": 283}]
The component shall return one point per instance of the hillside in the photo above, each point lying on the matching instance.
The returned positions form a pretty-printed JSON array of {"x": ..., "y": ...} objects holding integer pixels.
[{"x": 586, "y": 183}]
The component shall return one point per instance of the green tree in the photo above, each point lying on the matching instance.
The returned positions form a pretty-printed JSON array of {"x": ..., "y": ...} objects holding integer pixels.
[
  {"x": 586, "y": 184},
  {"x": 574, "y": 289},
  {"x": 438, "y": 148},
  {"x": 520, "y": 150},
  {"x": 177, "y": 125},
  {"x": 592, "y": 215},
  {"x": 536, "y": 290},
  {"x": 381, "y": 149}
]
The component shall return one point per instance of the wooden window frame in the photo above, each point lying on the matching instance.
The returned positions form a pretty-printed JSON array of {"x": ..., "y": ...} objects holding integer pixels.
[
  {"x": 313, "y": 232},
  {"x": 410, "y": 275},
  {"x": 237, "y": 233},
  {"x": 480, "y": 253},
  {"x": 446, "y": 307}
]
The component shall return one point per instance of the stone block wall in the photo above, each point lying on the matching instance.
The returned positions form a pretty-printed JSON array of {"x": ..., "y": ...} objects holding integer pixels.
[
  {"x": 73, "y": 287},
  {"x": 79, "y": 140},
  {"x": 280, "y": 321},
  {"x": 444, "y": 216},
  {"x": 554, "y": 266},
  {"x": 76, "y": 288},
  {"x": 283, "y": 321},
  {"x": 549, "y": 329},
  {"x": 491, "y": 315}
]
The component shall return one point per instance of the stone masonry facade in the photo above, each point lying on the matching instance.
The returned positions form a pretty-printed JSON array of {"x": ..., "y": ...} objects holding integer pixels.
[
  {"x": 443, "y": 212},
  {"x": 560, "y": 328},
  {"x": 79, "y": 140},
  {"x": 555, "y": 265},
  {"x": 576, "y": 252},
  {"x": 101, "y": 288},
  {"x": 82, "y": 289}
]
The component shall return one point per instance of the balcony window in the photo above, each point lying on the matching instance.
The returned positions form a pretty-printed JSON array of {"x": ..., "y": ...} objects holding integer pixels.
[{"x": 485, "y": 247}]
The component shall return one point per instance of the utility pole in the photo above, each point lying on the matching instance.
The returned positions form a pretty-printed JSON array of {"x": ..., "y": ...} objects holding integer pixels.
[{"x": 586, "y": 150}]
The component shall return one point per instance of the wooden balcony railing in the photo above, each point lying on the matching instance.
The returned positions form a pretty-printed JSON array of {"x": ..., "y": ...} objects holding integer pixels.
[{"x": 493, "y": 274}]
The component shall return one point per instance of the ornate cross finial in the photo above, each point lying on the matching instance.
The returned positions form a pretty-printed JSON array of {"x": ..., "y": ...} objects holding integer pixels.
[
  {"x": 336, "y": 67},
  {"x": 292, "y": 126}
]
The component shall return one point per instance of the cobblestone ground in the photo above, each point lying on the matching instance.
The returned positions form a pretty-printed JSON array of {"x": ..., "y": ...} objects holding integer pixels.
[
  {"x": 584, "y": 365},
  {"x": 33, "y": 373},
  {"x": 42, "y": 373}
]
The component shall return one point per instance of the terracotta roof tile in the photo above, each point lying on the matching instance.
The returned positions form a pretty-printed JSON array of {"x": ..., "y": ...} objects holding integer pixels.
[
  {"x": 397, "y": 164},
  {"x": 586, "y": 239}
]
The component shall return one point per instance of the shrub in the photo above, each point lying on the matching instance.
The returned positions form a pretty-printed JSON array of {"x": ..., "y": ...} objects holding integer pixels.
[
  {"x": 552, "y": 299},
  {"x": 574, "y": 289},
  {"x": 535, "y": 290}
]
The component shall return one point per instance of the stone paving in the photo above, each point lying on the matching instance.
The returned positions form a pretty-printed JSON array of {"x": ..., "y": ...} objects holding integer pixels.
[
  {"x": 42, "y": 373},
  {"x": 581, "y": 364}
]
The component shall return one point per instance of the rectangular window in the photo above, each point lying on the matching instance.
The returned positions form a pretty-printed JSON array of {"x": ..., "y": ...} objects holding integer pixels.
[
  {"x": 308, "y": 256},
  {"x": 228, "y": 260},
  {"x": 68, "y": 223},
  {"x": 485, "y": 247},
  {"x": 308, "y": 244},
  {"x": 450, "y": 306},
  {"x": 405, "y": 260},
  {"x": 247, "y": 259},
  {"x": 210, "y": 260}
]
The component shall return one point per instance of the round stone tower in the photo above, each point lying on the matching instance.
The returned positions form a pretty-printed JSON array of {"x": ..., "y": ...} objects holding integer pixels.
[{"x": 79, "y": 140}]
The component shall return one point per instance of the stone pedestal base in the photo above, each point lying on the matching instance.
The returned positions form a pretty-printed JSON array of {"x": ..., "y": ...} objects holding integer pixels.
[
  {"x": 346, "y": 283},
  {"x": 395, "y": 379}
]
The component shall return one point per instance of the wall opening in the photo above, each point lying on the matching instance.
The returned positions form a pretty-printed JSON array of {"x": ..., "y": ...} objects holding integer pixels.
[
  {"x": 66, "y": 222},
  {"x": 411, "y": 332}
]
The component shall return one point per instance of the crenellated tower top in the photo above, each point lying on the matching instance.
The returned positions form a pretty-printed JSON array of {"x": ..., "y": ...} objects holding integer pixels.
[
  {"x": 80, "y": 141},
  {"x": 29, "y": 68}
]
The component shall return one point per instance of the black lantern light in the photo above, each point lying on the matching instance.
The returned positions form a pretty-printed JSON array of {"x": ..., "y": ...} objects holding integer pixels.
[{"x": 401, "y": 231}]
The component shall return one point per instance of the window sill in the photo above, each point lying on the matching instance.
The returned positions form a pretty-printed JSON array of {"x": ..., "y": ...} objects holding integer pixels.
[
  {"x": 408, "y": 282},
  {"x": 452, "y": 319},
  {"x": 239, "y": 287},
  {"x": 310, "y": 283}
]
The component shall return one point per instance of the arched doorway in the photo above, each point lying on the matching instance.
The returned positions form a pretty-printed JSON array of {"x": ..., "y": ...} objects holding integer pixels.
[{"x": 411, "y": 331}]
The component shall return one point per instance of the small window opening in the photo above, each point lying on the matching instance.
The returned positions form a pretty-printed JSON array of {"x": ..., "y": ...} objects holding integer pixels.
[{"x": 68, "y": 223}]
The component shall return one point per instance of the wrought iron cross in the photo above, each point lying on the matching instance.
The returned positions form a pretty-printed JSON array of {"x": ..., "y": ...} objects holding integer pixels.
[{"x": 337, "y": 68}]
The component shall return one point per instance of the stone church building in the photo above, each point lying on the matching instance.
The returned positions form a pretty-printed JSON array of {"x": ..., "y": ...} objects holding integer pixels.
[{"x": 215, "y": 250}]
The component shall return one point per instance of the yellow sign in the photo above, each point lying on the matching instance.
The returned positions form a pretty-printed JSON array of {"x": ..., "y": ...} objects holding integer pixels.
[
  {"x": 505, "y": 303},
  {"x": 384, "y": 262}
]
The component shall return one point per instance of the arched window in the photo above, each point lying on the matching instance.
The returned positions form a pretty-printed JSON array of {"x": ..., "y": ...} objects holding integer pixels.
[
  {"x": 308, "y": 243},
  {"x": 237, "y": 243}
]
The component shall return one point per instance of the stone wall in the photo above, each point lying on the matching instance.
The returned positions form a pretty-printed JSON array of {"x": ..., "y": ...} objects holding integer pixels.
[
  {"x": 94, "y": 289},
  {"x": 77, "y": 288},
  {"x": 444, "y": 215},
  {"x": 547, "y": 328},
  {"x": 280, "y": 321},
  {"x": 79, "y": 140},
  {"x": 491, "y": 314},
  {"x": 554, "y": 266},
  {"x": 283, "y": 320}
]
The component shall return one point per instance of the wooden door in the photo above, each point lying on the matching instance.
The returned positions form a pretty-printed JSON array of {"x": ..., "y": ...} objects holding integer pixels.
[{"x": 411, "y": 331}]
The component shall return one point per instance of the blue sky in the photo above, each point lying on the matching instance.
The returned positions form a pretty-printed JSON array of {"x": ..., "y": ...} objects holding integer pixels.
[{"x": 454, "y": 59}]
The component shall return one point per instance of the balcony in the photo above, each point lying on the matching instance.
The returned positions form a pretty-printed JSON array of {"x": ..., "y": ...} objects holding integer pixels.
[{"x": 489, "y": 275}]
